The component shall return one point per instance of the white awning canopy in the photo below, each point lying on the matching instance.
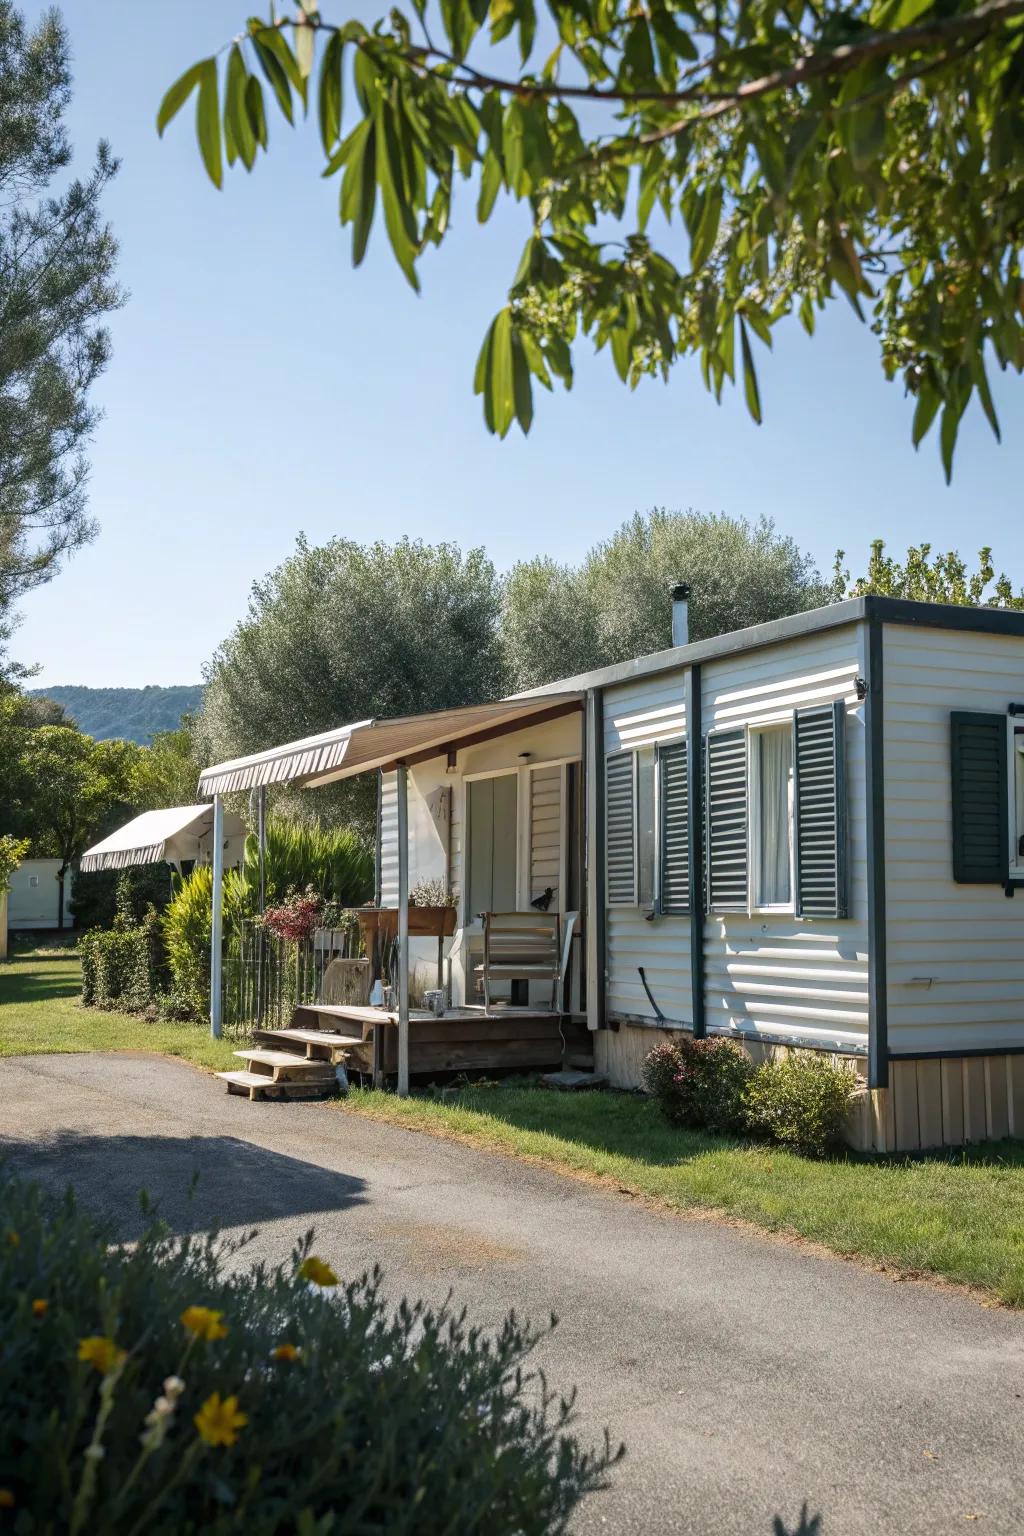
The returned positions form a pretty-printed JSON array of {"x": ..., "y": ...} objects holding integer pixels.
[
  {"x": 178, "y": 833},
  {"x": 352, "y": 749}
]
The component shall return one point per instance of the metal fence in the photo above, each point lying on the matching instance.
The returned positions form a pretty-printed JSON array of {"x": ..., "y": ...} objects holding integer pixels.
[{"x": 265, "y": 977}]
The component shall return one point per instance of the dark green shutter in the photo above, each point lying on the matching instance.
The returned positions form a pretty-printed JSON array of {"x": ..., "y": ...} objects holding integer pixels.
[
  {"x": 620, "y": 830},
  {"x": 820, "y": 811},
  {"x": 981, "y": 811},
  {"x": 674, "y": 829},
  {"x": 726, "y": 813}
]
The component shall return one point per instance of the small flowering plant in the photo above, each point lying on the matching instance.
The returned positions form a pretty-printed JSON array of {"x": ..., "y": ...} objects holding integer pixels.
[
  {"x": 297, "y": 917},
  {"x": 166, "y": 1387}
]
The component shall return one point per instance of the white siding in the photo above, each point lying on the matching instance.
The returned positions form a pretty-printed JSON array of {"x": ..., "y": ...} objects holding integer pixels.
[
  {"x": 774, "y": 974},
  {"x": 389, "y": 841},
  {"x": 636, "y": 714},
  {"x": 546, "y": 834},
  {"x": 955, "y": 952}
]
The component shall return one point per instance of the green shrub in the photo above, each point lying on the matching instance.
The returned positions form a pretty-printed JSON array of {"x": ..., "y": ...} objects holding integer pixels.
[
  {"x": 187, "y": 930},
  {"x": 123, "y": 966},
  {"x": 162, "y": 1386},
  {"x": 97, "y": 897},
  {"x": 801, "y": 1101},
  {"x": 335, "y": 861},
  {"x": 699, "y": 1083}
]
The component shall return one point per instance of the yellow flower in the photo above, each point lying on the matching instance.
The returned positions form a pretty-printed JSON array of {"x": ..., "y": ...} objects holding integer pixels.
[
  {"x": 316, "y": 1271},
  {"x": 286, "y": 1352},
  {"x": 40, "y": 1307},
  {"x": 101, "y": 1353},
  {"x": 204, "y": 1323},
  {"x": 12, "y": 1238},
  {"x": 217, "y": 1421},
  {"x": 6, "y": 1499}
]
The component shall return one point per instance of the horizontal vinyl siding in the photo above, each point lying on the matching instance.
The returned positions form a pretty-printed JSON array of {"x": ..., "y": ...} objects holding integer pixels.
[
  {"x": 955, "y": 952},
  {"x": 776, "y": 974},
  {"x": 637, "y": 714},
  {"x": 389, "y": 840},
  {"x": 546, "y": 833}
]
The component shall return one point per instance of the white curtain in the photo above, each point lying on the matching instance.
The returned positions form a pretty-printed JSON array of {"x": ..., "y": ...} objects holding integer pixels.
[
  {"x": 1018, "y": 762},
  {"x": 775, "y": 773}
]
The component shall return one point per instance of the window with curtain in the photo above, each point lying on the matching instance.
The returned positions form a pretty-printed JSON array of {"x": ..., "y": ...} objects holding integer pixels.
[
  {"x": 1017, "y": 851},
  {"x": 773, "y": 785}
]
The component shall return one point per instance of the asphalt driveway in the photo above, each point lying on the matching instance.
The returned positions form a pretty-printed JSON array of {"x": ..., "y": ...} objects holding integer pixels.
[{"x": 745, "y": 1376}]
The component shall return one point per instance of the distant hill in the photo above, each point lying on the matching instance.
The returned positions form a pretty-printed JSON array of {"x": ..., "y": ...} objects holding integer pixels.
[{"x": 132, "y": 714}]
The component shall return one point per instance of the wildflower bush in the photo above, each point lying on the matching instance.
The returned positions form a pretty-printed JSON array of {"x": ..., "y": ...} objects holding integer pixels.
[
  {"x": 145, "y": 1388},
  {"x": 296, "y": 918},
  {"x": 699, "y": 1083},
  {"x": 801, "y": 1100}
]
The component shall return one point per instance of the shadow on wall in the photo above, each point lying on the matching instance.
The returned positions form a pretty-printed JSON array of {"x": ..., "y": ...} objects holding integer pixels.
[{"x": 199, "y": 1183}]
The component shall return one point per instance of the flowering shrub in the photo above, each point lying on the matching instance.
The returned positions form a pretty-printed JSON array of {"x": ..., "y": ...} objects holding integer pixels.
[
  {"x": 144, "y": 1388},
  {"x": 802, "y": 1101},
  {"x": 699, "y": 1083},
  {"x": 296, "y": 917}
]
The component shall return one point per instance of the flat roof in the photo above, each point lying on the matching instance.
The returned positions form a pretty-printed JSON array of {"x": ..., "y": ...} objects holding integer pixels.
[{"x": 887, "y": 610}]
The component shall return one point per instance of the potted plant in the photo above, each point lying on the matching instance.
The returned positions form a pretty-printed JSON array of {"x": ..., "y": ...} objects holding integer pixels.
[{"x": 432, "y": 915}]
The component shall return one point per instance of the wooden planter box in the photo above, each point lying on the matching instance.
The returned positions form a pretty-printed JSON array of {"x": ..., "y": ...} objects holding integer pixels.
[{"x": 424, "y": 923}]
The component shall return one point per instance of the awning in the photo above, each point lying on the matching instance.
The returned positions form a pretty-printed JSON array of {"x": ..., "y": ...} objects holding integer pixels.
[
  {"x": 352, "y": 749},
  {"x": 178, "y": 833}
]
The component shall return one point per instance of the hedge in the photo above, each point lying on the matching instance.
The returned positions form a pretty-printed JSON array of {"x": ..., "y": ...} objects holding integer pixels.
[
  {"x": 163, "y": 1386},
  {"x": 123, "y": 967}
]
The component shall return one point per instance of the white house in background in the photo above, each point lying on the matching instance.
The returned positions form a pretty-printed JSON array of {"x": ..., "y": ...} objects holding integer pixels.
[
  {"x": 34, "y": 899},
  {"x": 807, "y": 834}
]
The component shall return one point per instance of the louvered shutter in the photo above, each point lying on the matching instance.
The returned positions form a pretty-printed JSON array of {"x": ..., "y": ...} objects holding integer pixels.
[
  {"x": 674, "y": 832},
  {"x": 726, "y": 821},
  {"x": 620, "y": 830},
  {"x": 820, "y": 811},
  {"x": 981, "y": 810}
]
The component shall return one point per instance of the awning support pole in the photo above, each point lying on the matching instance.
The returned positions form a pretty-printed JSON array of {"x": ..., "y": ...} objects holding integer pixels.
[
  {"x": 402, "y": 776},
  {"x": 217, "y": 925},
  {"x": 261, "y": 837}
]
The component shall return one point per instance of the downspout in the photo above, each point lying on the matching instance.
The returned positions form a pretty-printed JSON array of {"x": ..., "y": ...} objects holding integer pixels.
[
  {"x": 695, "y": 828},
  {"x": 878, "y": 986},
  {"x": 403, "y": 930},
  {"x": 594, "y": 863}
]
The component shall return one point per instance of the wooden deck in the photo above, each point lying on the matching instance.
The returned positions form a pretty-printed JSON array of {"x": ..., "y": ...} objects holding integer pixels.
[{"x": 464, "y": 1040}]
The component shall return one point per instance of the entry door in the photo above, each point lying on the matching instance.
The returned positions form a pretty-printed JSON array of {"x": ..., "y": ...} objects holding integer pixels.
[{"x": 493, "y": 836}]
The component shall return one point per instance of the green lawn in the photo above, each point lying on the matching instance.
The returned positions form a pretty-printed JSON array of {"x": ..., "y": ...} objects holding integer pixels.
[
  {"x": 40, "y": 1013},
  {"x": 959, "y": 1216}
]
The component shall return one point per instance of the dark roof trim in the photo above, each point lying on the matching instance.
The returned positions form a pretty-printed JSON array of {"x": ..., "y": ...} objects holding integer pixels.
[{"x": 889, "y": 610}]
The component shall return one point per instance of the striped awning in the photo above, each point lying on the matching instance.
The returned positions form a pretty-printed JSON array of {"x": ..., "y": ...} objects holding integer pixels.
[
  {"x": 177, "y": 833},
  {"x": 352, "y": 749}
]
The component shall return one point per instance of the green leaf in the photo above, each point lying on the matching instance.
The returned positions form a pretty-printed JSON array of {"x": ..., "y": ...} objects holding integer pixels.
[
  {"x": 703, "y": 242},
  {"x": 535, "y": 357},
  {"x": 399, "y": 220},
  {"x": 236, "y": 116},
  {"x": 980, "y": 378},
  {"x": 490, "y": 186},
  {"x": 482, "y": 376},
  {"x": 208, "y": 123},
  {"x": 501, "y": 381},
  {"x": 358, "y": 195},
  {"x": 330, "y": 96},
  {"x": 928, "y": 402},
  {"x": 750, "y": 388},
  {"x": 179, "y": 93},
  {"x": 522, "y": 388},
  {"x": 947, "y": 436},
  {"x": 276, "y": 77},
  {"x": 305, "y": 48},
  {"x": 255, "y": 111}
]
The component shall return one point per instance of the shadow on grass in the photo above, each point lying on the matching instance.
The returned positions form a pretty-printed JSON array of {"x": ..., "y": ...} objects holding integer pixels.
[
  {"x": 33, "y": 987},
  {"x": 631, "y": 1125},
  {"x": 199, "y": 1183}
]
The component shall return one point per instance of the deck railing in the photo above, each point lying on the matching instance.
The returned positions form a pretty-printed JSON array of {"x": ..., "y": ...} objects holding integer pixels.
[{"x": 265, "y": 977}]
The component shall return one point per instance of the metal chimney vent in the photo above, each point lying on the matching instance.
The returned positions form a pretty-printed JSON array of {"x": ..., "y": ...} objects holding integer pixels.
[{"x": 680, "y": 613}]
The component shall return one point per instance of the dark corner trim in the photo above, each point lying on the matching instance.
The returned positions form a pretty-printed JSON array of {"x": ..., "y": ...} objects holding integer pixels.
[
  {"x": 695, "y": 827},
  {"x": 595, "y": 759},
  {"x": 378, "y": 840},
  {"x": 976, "y": 1051},
  {"x": 983, "y": 621},
  {"x": 878, "y": 1030}
]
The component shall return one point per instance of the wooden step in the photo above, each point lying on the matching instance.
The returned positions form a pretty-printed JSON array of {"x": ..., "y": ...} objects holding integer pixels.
[
  {"x": 317, "y": 1044},
  {"x": 260, "y": 1085},
  {"x": 285, "y": 1065}
]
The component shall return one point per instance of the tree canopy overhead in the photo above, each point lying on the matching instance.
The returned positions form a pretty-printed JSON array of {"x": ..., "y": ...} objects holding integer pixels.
[
  {"x": 57, "y": 259},
  {"x": 871, "y": 150}
]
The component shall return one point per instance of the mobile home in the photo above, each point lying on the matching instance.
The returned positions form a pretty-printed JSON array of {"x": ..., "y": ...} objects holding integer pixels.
[{"x": 808, "y": 834}]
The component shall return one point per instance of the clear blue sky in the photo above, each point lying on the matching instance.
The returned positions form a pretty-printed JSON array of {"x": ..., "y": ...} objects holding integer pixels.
[{"x": 260, "y": 387}]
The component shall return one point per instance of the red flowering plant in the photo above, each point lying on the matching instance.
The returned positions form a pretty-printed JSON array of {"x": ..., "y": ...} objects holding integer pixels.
[{"x": 296, "y": 917}]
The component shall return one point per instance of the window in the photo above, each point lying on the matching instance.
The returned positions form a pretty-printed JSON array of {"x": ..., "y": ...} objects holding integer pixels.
[
  {"x": 492, "y": 832},
  {"x": 771, "y": 761},
  {"x": 646, "y": 837},
  {"x": 1017, "y": 795}
]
